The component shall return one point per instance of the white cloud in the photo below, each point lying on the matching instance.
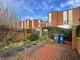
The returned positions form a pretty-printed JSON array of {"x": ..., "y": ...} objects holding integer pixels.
[
  {"x": 71, "y": 3},
  {"x": 19, "y": 4},
  {"x": 58, "y": 9},
  {"x": 77, "y": 0},
  {"x": 35, "y": 17},
  {"x": 45, "y": 6},
  {"x": 29, "y": 9},
  {"x": 27, "y": 17}
]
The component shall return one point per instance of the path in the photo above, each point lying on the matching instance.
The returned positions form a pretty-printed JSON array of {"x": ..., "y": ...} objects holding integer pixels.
[
  {"x": 47, "y": 51},
  {"x": 54, "y": 52}
]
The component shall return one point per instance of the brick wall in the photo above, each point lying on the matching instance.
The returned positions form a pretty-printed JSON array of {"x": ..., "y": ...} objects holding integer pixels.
[
  {"x": 60, "y": 18},
  {"x": 65, "y": 17},
  {"x": 76, "y": 16},
  {"x": 30, "y": 24},
  {"x": 56, "y": 18}
]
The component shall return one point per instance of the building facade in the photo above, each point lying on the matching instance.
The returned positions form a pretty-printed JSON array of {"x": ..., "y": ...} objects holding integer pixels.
[
  {"x": 68, "y": 17},
  {"x": 31, "y": 24},
  {"x": 55, "y": 18}
]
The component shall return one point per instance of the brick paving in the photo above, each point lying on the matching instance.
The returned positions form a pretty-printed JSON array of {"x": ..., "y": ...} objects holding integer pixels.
[
  {"x": 54, "y": 52},
  {"x": 46, "y": 51}
]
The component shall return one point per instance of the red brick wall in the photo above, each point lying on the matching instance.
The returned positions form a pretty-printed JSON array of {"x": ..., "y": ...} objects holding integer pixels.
[
  {"x": 60, "y": 18},
  {"x": 30, "y": 24},
  {"x": 44, "y": 24},
  {"x": 39, "y": 24},
  {"x": 54, "y": 19},
  {"x": 57, "y": 18},
  {"x": 35, "y": 23},
  {"x": 76, "y": 16}
]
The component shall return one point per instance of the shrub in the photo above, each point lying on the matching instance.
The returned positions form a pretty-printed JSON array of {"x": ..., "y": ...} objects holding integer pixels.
[
  {"x": 27, "y": 42},
  {"x": 55, "y": 30},
  {"x": 20, "y": 31},
  {"x": 78, "y": 30},
  {"x": 30, "y": 30},
  {"x": 34, "y": 36}
]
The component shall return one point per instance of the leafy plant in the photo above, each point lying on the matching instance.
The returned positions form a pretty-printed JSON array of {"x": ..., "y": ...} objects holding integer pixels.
[
  {"x": 55, "y": 30},
  {"x": 34, "y": 36},
  {"x": 30, "y": 30},
  {"x": 27, "y": 42}
]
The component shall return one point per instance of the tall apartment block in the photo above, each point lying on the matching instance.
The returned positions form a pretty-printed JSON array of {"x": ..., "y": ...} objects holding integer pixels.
[{"x": 68, "y": 17}]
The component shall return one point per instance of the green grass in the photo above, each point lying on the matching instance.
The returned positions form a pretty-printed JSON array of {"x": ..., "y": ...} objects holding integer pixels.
[
  {"x": 20, "y": 31},
  {"x": 10, "y": 46},
  {"x": 26, "y": 42}
]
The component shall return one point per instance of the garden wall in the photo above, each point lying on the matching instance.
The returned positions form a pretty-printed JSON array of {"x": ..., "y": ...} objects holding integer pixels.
[
  {"x": 21, "y": 36},
  {"x": 78, "y": 45}
]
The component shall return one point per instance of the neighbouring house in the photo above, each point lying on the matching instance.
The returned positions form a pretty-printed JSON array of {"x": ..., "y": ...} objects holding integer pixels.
[
  {"x": 67, "y": 17},
  {"x": 23, "y": 26},
  {"x": 55, "y": 18}
]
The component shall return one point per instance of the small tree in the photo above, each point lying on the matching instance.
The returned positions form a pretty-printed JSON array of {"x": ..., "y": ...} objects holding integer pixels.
[
  {"x": 34, "y": 36},
  {"x": 7, "y": 23}
]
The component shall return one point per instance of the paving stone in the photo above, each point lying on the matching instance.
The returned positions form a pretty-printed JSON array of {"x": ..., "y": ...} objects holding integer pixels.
[
  {"x": 48, "y": 51},
  {"x": 55, "y": 52}
]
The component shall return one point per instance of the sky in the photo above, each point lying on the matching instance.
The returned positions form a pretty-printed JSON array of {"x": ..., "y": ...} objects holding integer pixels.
[{"x": 39, "y": 9}]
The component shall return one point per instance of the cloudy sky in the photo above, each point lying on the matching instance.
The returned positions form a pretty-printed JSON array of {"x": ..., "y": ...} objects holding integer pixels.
[{"x": 38, "y": 9}]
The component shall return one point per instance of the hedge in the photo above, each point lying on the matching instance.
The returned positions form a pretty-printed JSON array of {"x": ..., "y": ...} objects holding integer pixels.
[{"x": 55, "y": 30}]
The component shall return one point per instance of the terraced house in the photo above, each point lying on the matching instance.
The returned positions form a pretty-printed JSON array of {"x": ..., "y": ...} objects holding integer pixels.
[
  {"x": 31, "y": 24},
  {"x": 28, "y": 24},
  {"x": 67, "y": 17}
]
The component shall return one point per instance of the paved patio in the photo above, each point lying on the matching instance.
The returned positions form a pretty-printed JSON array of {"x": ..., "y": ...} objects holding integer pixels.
[
  {"x": 46, "y": 51},
  {"x": 54, "y": 52}
]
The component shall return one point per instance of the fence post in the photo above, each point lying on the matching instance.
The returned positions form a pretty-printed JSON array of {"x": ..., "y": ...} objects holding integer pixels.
[{"x": 74, "y": 38}]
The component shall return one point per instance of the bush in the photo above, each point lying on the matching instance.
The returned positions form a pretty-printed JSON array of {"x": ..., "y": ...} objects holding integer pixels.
[
  {"x": 20, "y": 31},
  {"x": 78, "y": 30},
  {"x": 30, "y": 30},
  {"x": 27, "y": 42},
  {"x": 34, "y": 36},
  {"x": 55, "y": 30}
]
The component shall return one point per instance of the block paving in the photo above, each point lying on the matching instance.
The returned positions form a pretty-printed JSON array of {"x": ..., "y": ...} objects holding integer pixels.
[
  {"x": 46, "y": 51},
  {"x": 54, "y": 52}
]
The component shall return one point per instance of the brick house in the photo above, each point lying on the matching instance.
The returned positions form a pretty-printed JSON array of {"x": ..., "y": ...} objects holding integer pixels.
[
  {"x": 55, "y": 18},
  {"x": 67, "y": 17}
]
